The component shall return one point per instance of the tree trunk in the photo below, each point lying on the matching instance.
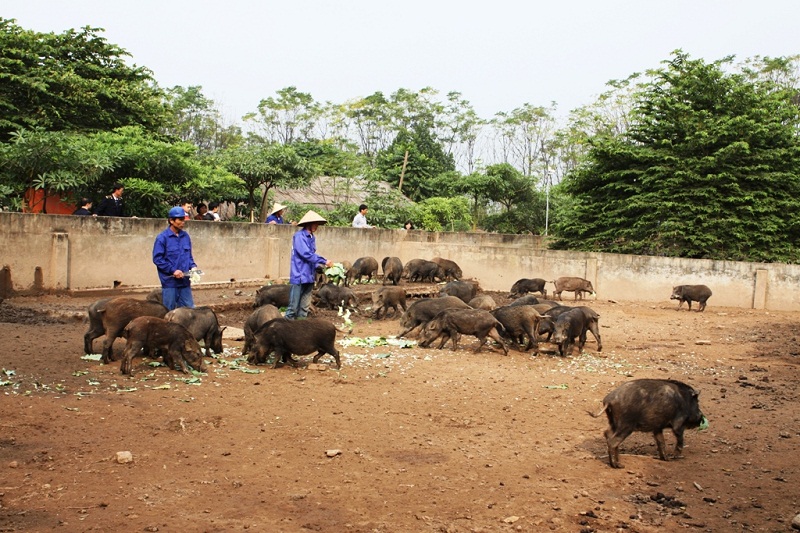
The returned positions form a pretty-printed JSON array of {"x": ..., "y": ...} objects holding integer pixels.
[{"x": 403, "y": 171}]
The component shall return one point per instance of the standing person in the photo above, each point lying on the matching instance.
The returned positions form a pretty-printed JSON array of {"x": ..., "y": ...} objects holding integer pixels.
[
  {"x": 360, "y": 220},
  {"x": 187, "y": 207},
  {"x": 172, "y": 255},
  {"x": 276, "y": 215},
  {"x": 201, "y": 209},
  {"x": 304, "y": 265},
  {"x": 112, "y": 205},
  {"x": 212, "y": 214},
  {"x": 84, "y": 209}
]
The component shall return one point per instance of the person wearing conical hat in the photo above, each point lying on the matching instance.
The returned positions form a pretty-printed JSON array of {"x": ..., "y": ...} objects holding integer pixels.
[
  {"x": 303, "y": 265},
  {"x": 276, "y": 215}
]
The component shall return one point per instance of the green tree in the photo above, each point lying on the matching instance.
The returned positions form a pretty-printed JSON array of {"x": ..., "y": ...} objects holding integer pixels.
[
  {"x": 264, "y": 166},
  {"x": 709, "y": 167},
  {"x": 417, "y": 157},
  {"x": 74, "y": 80},
  {"x": 441, "y": 214},
  {"x": 197, "y": 119},
  {"x": 289, "y": 117},
  {"x": 54, "y": 162}
]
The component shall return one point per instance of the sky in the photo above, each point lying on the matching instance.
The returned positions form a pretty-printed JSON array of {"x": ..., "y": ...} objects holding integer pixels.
[{"x": 498, "y": 54}]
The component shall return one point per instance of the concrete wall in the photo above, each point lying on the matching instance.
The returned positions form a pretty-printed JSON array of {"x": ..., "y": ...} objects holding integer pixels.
[{"x": 56, "y": 252}]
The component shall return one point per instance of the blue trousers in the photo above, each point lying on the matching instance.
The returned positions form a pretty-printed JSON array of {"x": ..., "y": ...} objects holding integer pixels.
[
  {"x": 173, "y": 297},
  {"x": 299, "y": 300}
]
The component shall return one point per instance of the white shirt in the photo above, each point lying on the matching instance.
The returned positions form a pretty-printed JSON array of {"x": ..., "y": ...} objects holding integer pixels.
[{"x": 360, "y": 221}]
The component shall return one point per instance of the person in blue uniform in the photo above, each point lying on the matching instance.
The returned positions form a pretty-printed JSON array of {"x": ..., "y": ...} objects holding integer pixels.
[
  {"x": 172, "y": 255},
  {"x": 303, "y": 265},
  {"x": 276, "y": 215}
]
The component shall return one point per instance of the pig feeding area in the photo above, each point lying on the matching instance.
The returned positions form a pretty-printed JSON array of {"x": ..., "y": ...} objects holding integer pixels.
[{"x": 402, "y": 438}]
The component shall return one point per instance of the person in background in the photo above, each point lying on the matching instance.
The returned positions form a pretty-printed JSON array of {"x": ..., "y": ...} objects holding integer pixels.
[
  {"x": 172, "y": 255},
  {"x": 408, "y": 225},
  {"x": 187, "y": 207},
  {"x": 201, "y": 209},
  {"x": 276, "y": 215},
  {"x": 303, "y": 266},
  {"x": 212, "y": 213},
  {"x": 112, "y": 205},
  {"x": 360, "y": 220},
  {"x": 84, "y": 208}
]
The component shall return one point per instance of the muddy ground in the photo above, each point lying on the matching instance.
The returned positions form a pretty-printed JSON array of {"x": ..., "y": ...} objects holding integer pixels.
[{"x": 399, "y": 439}]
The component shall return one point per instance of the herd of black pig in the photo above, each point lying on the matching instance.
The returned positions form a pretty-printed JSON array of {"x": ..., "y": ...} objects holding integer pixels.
[{"x": 648, "y": 405}]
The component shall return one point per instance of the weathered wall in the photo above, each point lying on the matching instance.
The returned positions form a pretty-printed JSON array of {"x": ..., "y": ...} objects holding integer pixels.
[{"x": 53, "y": 252}]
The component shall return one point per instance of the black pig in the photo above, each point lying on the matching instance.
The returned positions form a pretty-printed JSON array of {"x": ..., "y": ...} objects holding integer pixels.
[
  {"x": 277, "y": 295},
  {"x": 364, "y": 266},
  {"x": 257, "y": 318},
  {"x": 691, "y": 293},
  {"x": 525, "y": 285},
  {"x": 287, "y": 337},
  {"x": 520, "y": 322},
  {"x": 387, "y": 297},
  {"x": 118, "y": 313},
  {"x": 96, "y": 328},
  {"x": 484, "y": 301},
  {"x": 450, "y": 323},
  {"x": 450, "y": 269},
  {"x": 650, "y": 405},
  {"x": 202, "y": 323},
  {"x": 569, "y": 325},
  {"x": 332, "y": 296},
  {"x": 421, "y": 311},
  {"x": 464, "y": 290},
  {"x": 425, "y": 270},
  {"x": 392, "y": 269},
  {"x": 592, "y": 321},
  {"x": 174, "y": 340}
]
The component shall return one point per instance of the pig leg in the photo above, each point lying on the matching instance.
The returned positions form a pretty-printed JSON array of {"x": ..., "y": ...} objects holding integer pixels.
[
  {"x": 594, "y": 327},
  {"x": 88, "y": 339},
  {"x": 108, "y": 345},
  {"x": 455, "y": 335},
  {"x": 131, "y": 350},
  {"x": 660, "y": 444},
  {"x": 493, "y": 333},
  {"x": 678, "y": 441},
  {"x": 613, "y": 440},
  {"x": 701, "y": 306}
]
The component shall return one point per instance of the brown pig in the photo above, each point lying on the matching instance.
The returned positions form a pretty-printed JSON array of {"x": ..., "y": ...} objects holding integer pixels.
[
  {"x": 151, "y": 333},
  {"x": 118, "y": 313}
]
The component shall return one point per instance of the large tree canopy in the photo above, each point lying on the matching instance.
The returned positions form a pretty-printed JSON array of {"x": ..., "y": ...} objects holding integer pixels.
[
  {"x": 709, "y": 168},
  {"x": 75, "y": 80}
]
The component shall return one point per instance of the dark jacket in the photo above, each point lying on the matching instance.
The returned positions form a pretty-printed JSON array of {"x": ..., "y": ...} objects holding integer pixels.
[
  {"x": 111, "y": 207},
  {"x": 82, "y": 211}
]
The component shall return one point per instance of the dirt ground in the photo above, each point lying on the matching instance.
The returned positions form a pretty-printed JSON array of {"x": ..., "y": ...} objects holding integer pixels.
[{"x": 400, "y": 439}]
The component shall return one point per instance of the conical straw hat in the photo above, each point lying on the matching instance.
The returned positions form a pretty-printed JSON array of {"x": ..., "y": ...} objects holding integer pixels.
[
  {"x": 277, "y": 207},
  {"x": 310, "y": 217}
]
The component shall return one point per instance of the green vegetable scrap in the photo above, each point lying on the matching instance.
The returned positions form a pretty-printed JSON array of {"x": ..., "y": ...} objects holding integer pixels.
[
  {"x": 336, "y": 274},
  {"x": 563, "y": 386},
  {"x": 162, "y": 387},
  {"x": 79, "y": 373},
  {"x": 92, "y": 357},
  {"x": 703, "y": 424}
]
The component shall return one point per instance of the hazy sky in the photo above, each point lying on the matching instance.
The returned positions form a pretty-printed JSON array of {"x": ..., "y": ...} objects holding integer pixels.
[{"x": 498, "y": 54}]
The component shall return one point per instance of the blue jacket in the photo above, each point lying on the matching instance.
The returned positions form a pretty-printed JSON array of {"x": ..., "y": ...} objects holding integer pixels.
[
  {"x": 274, "y": 218},
  {"x": 173, "y": 252},
  {"x": 304, "y": 258}
]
